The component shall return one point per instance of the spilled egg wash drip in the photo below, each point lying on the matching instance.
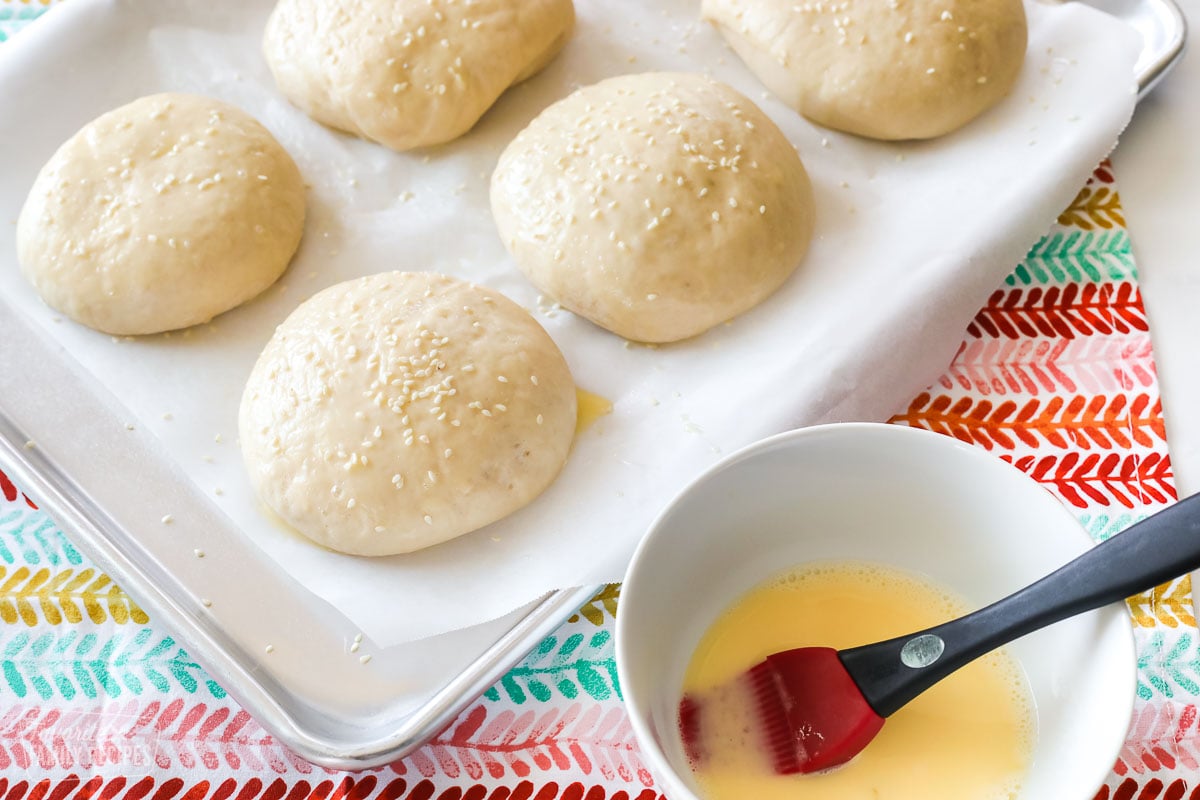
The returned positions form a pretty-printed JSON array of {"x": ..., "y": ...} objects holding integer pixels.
[
  {"x": 969, "y": 737},
  {"x": 591, "y": 407}
]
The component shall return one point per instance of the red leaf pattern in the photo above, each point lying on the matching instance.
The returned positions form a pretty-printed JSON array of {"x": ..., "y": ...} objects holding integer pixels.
[
  {"x": 1062, "y": 422},
  {"x": 1035, "y": 366},
  {"x": 1088, "y": 309},
  {"x": 10, "y": 492},
  {"x": 1102, "y": 479},
  {"x": 587, "y": 739}
]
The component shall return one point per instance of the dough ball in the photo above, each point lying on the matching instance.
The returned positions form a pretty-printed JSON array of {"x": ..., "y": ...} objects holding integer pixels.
[
  {"x": 887, "y": 69},
  {"x": 409, "y": 73},
  {"x": 396, "y": 411},
  {"x": 161, "y": 214},
  {"x": 655, "y": 205}
]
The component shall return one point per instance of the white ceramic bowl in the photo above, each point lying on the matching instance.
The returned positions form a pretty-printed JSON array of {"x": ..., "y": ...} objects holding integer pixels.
[{"x": 919, "y": 501}]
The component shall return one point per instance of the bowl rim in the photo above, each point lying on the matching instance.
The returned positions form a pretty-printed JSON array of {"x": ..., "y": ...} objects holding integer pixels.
[{"x": 657, "y": 762}]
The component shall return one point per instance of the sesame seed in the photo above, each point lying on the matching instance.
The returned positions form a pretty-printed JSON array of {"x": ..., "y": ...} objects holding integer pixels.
[
  {"x": 204, "y": 601},
  {"x": 539, "y": 419},
  {"x": 167, "y": 519},
  {"x": 364, "y": 659},
  {"x": 354, "y": 647},
  {"x": 502, "y": 379},
  {"x": 428, "y": 520},
  {"x": 198, "y": 553}
]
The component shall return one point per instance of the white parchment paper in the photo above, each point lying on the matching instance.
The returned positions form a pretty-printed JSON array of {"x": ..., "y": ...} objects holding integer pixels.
[{"x": 910, "y": 240}]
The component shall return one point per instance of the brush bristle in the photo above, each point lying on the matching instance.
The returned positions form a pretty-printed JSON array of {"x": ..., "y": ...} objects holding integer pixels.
[
  {"x": 772, "y": 711},
  {"x": 689, "y": 728}
]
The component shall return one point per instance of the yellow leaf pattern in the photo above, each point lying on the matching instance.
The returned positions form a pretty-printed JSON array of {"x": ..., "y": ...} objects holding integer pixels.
[
  {"x": 1169, "y": 605},
  {"x": 604, "y": 601},
  {"x": 64, "y": 596}
]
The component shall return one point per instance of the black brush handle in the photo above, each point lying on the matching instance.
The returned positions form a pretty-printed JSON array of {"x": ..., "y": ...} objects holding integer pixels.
[{"x": 1153, "y": 551}]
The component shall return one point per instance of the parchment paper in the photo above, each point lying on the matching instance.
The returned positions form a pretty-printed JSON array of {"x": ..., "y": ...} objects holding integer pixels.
[{"x": 910, "y": 240}]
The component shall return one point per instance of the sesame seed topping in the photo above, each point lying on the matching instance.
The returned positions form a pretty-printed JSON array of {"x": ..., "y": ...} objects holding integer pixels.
[
  {"x": 428, "y": 520},
  {"x": 365, "y": 659},
  {"x": 167, "y": 519},
  {"x": 269, "y": 648},
  {"x": 198, "y": 553}
]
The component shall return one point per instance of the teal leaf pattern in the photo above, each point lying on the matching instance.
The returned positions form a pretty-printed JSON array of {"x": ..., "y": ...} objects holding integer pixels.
[
  {"x": 13, "y": 19},
  {"x": 572, "y": 663},
  {"x": 30, "y": 537},
  {"x": 72, "y": 664},
  {"x": 1101, "y": 526},
  {"x": 1168, "y": 664},
  {"x": 1070, "y": 255}
]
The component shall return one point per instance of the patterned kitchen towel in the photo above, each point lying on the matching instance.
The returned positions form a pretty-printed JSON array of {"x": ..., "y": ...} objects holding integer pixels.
[{"x": 1056, "y": 375}]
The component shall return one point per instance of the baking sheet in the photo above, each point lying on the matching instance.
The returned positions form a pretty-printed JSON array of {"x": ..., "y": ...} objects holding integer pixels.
[{"x": 906, "y": 250}]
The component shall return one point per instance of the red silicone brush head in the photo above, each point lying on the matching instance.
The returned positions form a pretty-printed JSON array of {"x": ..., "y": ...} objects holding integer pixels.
[
  {"x": 689, "y": 728},
  {"x": 814, "y": 717}
]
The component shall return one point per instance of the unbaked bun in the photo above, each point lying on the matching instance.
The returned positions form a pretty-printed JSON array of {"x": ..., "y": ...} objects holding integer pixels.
[
  {"x": 655, "y": 205},
  {"x": 161, "y": 214},
  {"x": 409, "y": 73},
  {"x": 396, "y": 411},
  {"x": 887, "y": 69}
]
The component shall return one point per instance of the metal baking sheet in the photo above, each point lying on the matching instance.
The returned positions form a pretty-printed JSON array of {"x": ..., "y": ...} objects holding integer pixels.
[{"x": 308, "y": 692}]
